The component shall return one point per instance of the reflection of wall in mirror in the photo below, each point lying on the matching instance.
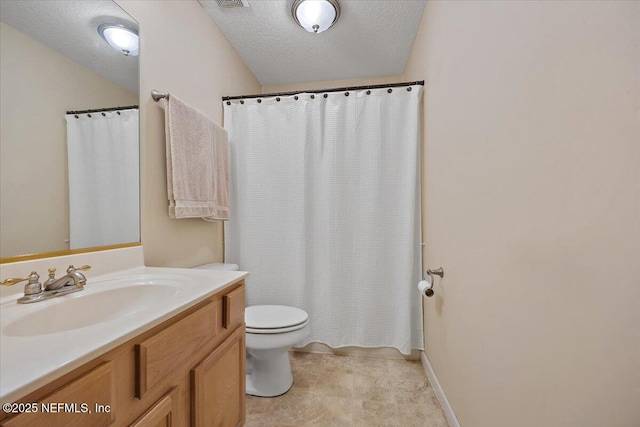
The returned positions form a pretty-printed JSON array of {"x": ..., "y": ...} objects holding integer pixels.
[{"x": 37, "y": 86}]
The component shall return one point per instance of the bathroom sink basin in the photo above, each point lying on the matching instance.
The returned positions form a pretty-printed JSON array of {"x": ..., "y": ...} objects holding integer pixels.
[{"x": 108, "y": 300}]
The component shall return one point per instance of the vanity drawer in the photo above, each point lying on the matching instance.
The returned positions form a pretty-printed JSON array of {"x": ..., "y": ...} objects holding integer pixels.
[
  {"x": 86, "y": 401},
  {"x": 171, "y": 348},
  {"x": 233, "y": 307}
]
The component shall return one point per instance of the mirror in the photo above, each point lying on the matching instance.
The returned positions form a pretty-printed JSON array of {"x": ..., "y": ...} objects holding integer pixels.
[{"x": 69, "y": 157}]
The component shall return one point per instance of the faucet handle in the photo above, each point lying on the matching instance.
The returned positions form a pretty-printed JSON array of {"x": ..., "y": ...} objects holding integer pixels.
[
  {"x": 32, "y": 278},
  {"x": 80, "y": 279},
  {"x": 83, "y": 268},
  {"x": 33, "y": 287},
  {"x": 14, "y": 280}
]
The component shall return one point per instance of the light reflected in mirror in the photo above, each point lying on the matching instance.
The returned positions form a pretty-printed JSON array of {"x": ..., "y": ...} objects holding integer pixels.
[{"x": 69, "y": 178}]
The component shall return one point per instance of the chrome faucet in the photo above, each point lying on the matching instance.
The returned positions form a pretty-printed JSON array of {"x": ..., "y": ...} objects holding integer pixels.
[
  {"x": 73, "y": 281},
  {"x": 73, "y": 277}
]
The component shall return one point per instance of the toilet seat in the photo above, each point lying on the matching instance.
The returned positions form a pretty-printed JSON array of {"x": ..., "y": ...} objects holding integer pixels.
[
  {"x": 275, "y": 331},
  {"x": 274, "y": 319}
]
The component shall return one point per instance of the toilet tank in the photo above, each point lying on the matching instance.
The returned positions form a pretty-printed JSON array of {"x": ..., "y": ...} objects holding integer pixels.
[{"x": 219, "y": 266}]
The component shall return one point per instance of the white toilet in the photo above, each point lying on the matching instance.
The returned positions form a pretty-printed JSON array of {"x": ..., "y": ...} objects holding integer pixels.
[{"x": 271, "y": 330}]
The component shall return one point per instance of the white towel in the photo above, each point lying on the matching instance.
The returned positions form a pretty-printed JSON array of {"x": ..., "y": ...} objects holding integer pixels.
[
  {"x": 197, "y": 163},
  {"x": 220, "y": 174}
]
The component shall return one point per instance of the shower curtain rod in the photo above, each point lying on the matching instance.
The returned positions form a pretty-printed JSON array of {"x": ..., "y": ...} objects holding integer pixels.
[
  {"x": 337, "y": 89},
  {"x": 100, "y": 110}
]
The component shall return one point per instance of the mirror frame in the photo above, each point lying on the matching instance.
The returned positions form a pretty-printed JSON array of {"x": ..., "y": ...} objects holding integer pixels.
[{"x": 30, "y": 257}]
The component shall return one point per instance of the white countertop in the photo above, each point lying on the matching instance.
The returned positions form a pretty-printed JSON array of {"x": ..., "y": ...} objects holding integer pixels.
[{"x": 29, "y": 362}]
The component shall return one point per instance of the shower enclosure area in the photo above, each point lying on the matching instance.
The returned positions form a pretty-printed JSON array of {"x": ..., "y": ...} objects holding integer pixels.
[{"x": 325, "y": 199}]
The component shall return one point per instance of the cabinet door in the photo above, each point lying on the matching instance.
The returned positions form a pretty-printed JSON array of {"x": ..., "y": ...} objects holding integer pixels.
[
  {"x": 86, "y": 401},
  {"x": 218, "y": 385},
  {"x": 162, "y": 414}
]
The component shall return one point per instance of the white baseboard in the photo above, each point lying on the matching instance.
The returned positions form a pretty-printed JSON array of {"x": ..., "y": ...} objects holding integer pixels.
[{"x": 437, "y": 388}]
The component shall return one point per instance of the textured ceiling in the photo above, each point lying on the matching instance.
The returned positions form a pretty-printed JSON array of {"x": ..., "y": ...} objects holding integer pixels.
[
  {"x": 70, "y": 27},
  {"x": 372, "y": 38}
]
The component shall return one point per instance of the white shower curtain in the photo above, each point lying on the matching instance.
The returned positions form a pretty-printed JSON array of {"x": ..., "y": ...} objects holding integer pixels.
[
  {"x": 103, "y": 156},
  {"x": 325, "y": 214}
]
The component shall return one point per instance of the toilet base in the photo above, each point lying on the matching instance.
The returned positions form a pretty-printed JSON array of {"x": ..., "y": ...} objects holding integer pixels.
[{"x": 268, "y": 372}]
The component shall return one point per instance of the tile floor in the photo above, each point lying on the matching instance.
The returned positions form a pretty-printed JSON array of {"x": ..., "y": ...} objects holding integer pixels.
[{"x": 333, "y": 390}]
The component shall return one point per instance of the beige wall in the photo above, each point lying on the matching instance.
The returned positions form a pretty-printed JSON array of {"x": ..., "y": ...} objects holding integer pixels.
[
  {"x": 183, "y": 52},
  {"x": 38, "y": 86},
  {"x": 531, "y": 205}
]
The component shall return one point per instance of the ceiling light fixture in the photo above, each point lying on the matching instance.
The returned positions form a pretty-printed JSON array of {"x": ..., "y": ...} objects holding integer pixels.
[
  {"x": 315, "y": 16},
  {"x": 121, "y": 38}
]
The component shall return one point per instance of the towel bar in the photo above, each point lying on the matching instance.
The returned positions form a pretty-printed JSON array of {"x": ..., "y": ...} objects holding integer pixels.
[{"x": 157, "y": 95}]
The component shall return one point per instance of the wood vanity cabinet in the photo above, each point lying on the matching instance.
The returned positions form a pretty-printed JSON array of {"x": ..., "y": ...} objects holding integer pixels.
[{"x": 187, "y": 371}]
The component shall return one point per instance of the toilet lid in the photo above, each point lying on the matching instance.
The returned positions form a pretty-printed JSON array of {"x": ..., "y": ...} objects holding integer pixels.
[{"x": 273, "y": 317}]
